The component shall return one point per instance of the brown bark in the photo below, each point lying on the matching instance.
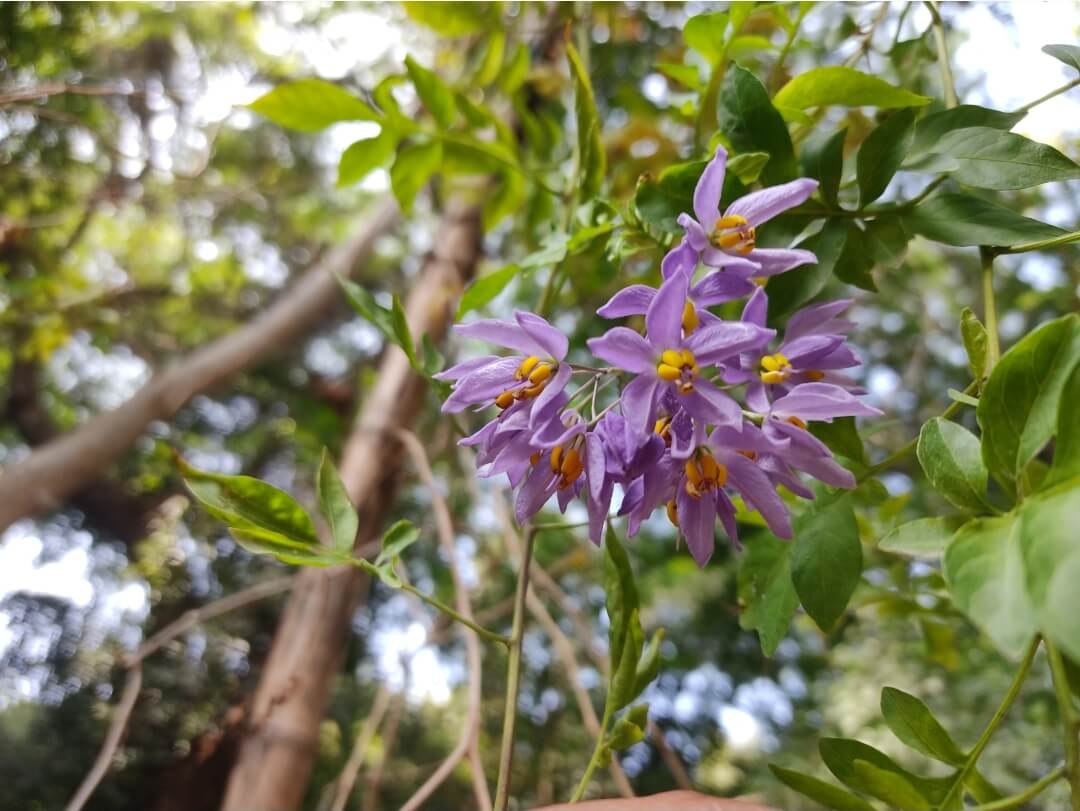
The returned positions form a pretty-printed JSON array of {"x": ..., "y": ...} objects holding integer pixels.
[
  {"x": 275, "y": 760},
  {"x": 69, "y": 463}
]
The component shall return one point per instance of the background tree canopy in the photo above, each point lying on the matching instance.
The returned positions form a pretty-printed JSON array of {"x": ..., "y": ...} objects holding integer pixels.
[{"x": 233, "y": 236}]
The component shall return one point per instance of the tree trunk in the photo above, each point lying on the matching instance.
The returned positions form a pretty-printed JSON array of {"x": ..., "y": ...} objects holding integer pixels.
[{"x": 275, "y": 762}]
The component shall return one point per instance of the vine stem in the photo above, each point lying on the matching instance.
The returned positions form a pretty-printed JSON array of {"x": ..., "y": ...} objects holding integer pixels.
[
  {"x": 594, "y": 761},
  {"x": 513, "y": 677},
  {"x": 1069, "y": 720},
  {"x": 993, "y": 347},
  {"x": 1017, "y": 800},
  {"x": 995, "y": 722}
]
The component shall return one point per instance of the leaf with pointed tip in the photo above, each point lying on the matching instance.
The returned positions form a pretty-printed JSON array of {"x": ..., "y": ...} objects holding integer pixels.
[
  {"x": 964, "y": 220},
  {"x": 951, "y": 458},
  {"x": 749, "y": 120},
  {"x": 924, "y": 538},
  {"x": 882, "y": 153},
  {"x": 310, "y": 105},
  {"x": 336, "y": 506},
  {"x": 821, "y": 792},
  {"x": 913, "y": 723},
  {"x": 826, "y": 559},
  {"x": 845, "y": 86},
  {"x": 975, "y": 340},
  {"x": 766, "y": 592},
  {"x": 1068, "y": 54}
]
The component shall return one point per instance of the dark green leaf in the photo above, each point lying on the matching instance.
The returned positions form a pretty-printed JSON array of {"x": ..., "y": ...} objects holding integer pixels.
[
  {"x": 931, "y": 129},
  {"x": 621, "y": 593},
  {"x": 841, "y": 437},
  {"x": 310, "y": 105},
  {"x": 433, "y": 92},
  {"x": 1018, "y": 410},
  {"x": 592, "y": 161},
  {"x": 845, "y": 86},
  {"x": 975, "y": 339},
  {"x": 824, "y": 793},
  {"x": 984, "y": 569},
  {"x": 826, "y": 559},
  {"x": 922, "y": 538},
  {"x": 248, "y": 503},
  {"x": 1067, "y": 448},
  {"x": 658, "y": 203},
  {"x": 823, "y": 159},
  {"x": 766, "y": 592},
  {"x": 791, "y": 290},
  {"x": 886, "y": 238},
  {"x": 336, "y": 506},
  {"x": 363, "y": 302},
  {"x": 951, "y": 458},
  {"x": 856, "y": 261},
  {"x": 505, "y": 200},
  {"x": 882, "y": 153},
  {"x": 749, "y": 120},
  {"x": 913, "y": 723},
  {"x": 1069, "y": 54},
  {"x": 413, "y": 168},
  {"x": 991, "y": 159},
  {"x": 364, "y": 156},
  {"x": 960, "y": 219}
]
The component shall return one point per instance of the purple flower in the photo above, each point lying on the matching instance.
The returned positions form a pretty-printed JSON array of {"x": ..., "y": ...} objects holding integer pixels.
[
  {"x": 812, "y": 350},
  {"x": 666, "y": 360},
  {"x": 730, "y": 240},
  {"x": 535, "y": 373},
  {"x": 556, "y": 466}
]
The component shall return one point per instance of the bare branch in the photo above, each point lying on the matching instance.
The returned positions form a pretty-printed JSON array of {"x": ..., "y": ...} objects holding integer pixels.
[
  {"x": 347, "y": 779},
  {"x": 13, "y": 94},
  {"x": 670, "y": 757}
]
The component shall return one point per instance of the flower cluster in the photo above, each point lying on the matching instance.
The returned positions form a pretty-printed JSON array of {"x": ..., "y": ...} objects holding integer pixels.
[{"x": 676, "y": 437}]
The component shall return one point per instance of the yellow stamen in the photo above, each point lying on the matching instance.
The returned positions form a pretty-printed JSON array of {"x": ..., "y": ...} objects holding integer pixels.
[
  {"x": 734, "y": 233},
  {"x": 693, "y": 473},
  {"x": 760, "y": 281},
  {"x": 751, "y": 455},
  {"x": 540, "y": 374},
  {"x": 556, "y": 458},
  {"x": 729, "y": 240},
  {"x": 530, "y": 392},
  {"x": 773, "y": 377},
  {"x": 672, "y": 357},
  {"x": 534, "y": 458},
  {"x": 678, "y": 366},
  {"x": 775, "y": 368},
  {"x": 815, "y": 375},
  {"x": 505, "y": 400},
  {"x": 662, "y": 426},
  {"x": 721, "y": 475},
  {"x": 690, "y": 319},
  {"x": 688, "y": 359},
  {"x": 798, "y": 423},
  {"x": 526, "y": 367},
  {"x": 731, "y": 221},
  {"x": 667, "y": 372},
  {"x": 571, "y": 468},
  {"x": 709, "y": 468},
  {"x": 673, "y": 513}
]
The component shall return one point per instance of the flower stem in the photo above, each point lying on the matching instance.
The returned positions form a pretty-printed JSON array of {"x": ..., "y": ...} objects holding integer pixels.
[
  {"x": 513, "y": 677},
  {"x": 993, "y": 347},
  {"x": 594, "y": 761},
  {"x": 1030, "y": 793},
  {"x": 995, "y": 722},
  {"x": 1069, "y": 720}
]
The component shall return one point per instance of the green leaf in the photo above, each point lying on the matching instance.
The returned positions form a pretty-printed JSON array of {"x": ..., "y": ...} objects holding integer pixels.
[
  {"x": 791, "y": 290},
  {"x": 984, "y": 569},
  {"x": 924, "y": 538},
  {"x": 865, "y": 769},
  {"x": 855, "y": 261},
  {"x": 826, "y": 559},
  {"x": 336, "y": 506},
  {"x": 683, "y": 74},
  {"x": 895, "y": 789},
  {"x": 248, "y": 503},
  {"x": 1052, "y": 561},
  {"x": 747, "y": 166},
  {"x": 310, "y": 105},
  {"x": 975, "y": 340},
  {"x": 824, "y": 793},
  {"x": 841, "y": 437},
  {"x": 624, "y": 734},
  {"x": 766, "y": 592},
  {"x": 402, "y": 333},
  {"x": 622, "y": 597},
  {"x": 592, "y": 160},
  {"x": 624, "y": 669},
  {"x": 886, "y": 238},
  {"x": 991, "y": 159},
  {"x": 508, "y": 198},
  {"x": 658, "y": 203},
  {"x": 433, "y": 93},
  {"x": 1018, "y": 410},
  {"x": 913, "y": 723},
  {"x": 931, "y": 129},
  {"x": 649, "y": 666},
  {"x": 413, "y": 168},
  {"x": 951, "y": 458},
  {"x": 1067, "y": 448},
  {"x": 485, "y": 289},
  {"x": 264, "y": 542},
  {"x": 749, "y": 120},
  {"x": 363, "y": 302},
  {"x": 882, "y": 153},
  {"x": 706, "y": 33},
  {"x": 1069, "y": 54},
  {"x": 492, "y": 63},
  {"x": 516, "y": 71},
  {"x": 844, "y": 86},
  {"x": 452, "y": 19},
  {"x": 365, "y": 156},
  {"x": 396, "y": 540},
  {"x": 962, "y": 220},
  {"x": 823, "y": 160}
]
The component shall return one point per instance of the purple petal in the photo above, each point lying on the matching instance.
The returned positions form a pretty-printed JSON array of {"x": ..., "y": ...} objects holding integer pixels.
[
  {"x": 813, "y": 319},
  {"x": 805, "y": 352},
  {"x": 535, "y": 491},
  {"x": 821, "y": 401},
  {"x": 707, "y": 404},
  {"x": 638, "y": 401},
  {"x": 716, "y": 258},
  {"x": 554, "y": 343},
  {"x": 757, "y": 308},
  {"x": 466, "y": 367},
  {"x": 682, "y": 258},
  {"x": 663, "y": 321},
  {"x": 721, "y": 286},
  {"x": 503, "y": 333},
  {"x": 775, "y": 261},
  {"x": 761, "y": 206},
  {"x": 695, "y": 234},
  {"x": 708, "y": 189},
  {"x": 828, "y": 470},
  {"x": 485, "y": 384},
  {"x": 758, "y": 493},
  {"x": 632, "y": 300},
  {"x": 595, "y": 465},
  {"x": 781, "y": 474},
  {"x": 726, "y": 510},
  {"x": 715, "y": 344},
  {"x": 624, "y": 348},
  {"x": 697, "y": 520},
  {"x": 546, "y": 401},
  {"x": 757, "y": 397}
]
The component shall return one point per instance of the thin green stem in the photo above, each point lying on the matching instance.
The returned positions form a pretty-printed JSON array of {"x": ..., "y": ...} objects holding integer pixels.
[
  {"x": 995, "y": 722},
  {"x": 1065, "y": 88},
  {"x": 1053, "y": 242},
  {"x": 594, "y": 761},
  {"x": 993, "y": 347},
  {"x": 778, "y": 66},
  {"x": 1030, "y": 793},
  {"x": 1069, "y": 719},
  {"x": 949, "y": 84},
  {"x": 513, "y": 677}
]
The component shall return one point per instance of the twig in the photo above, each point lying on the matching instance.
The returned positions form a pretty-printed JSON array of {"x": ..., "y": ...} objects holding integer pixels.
[
  {"x": 1030, "y": 793},
  {"x": 444, "y": 522},
  {"x": 947, "y": 81},
  {"x": 1070, "y": 720},
  {"x": 373, "y": 779},
  {"x": 347, "y": 779},
  {"x": 112, "y": 740},
  {"x": 670, "y": 757},
  {"x": 7, "y": 96},
  {"x": 1055, "y": 92}
]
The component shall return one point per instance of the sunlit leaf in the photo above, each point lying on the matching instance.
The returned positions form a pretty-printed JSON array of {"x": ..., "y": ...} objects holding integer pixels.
[
  {"x": 922, "y": 538},
  {"x": 310, "y": 105},
  {"x": 336, "y": 506},
  {"x": 412, "y": 170},
  {"x": 845, "y": 86},
  {"x": 951, "y": 458}
]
